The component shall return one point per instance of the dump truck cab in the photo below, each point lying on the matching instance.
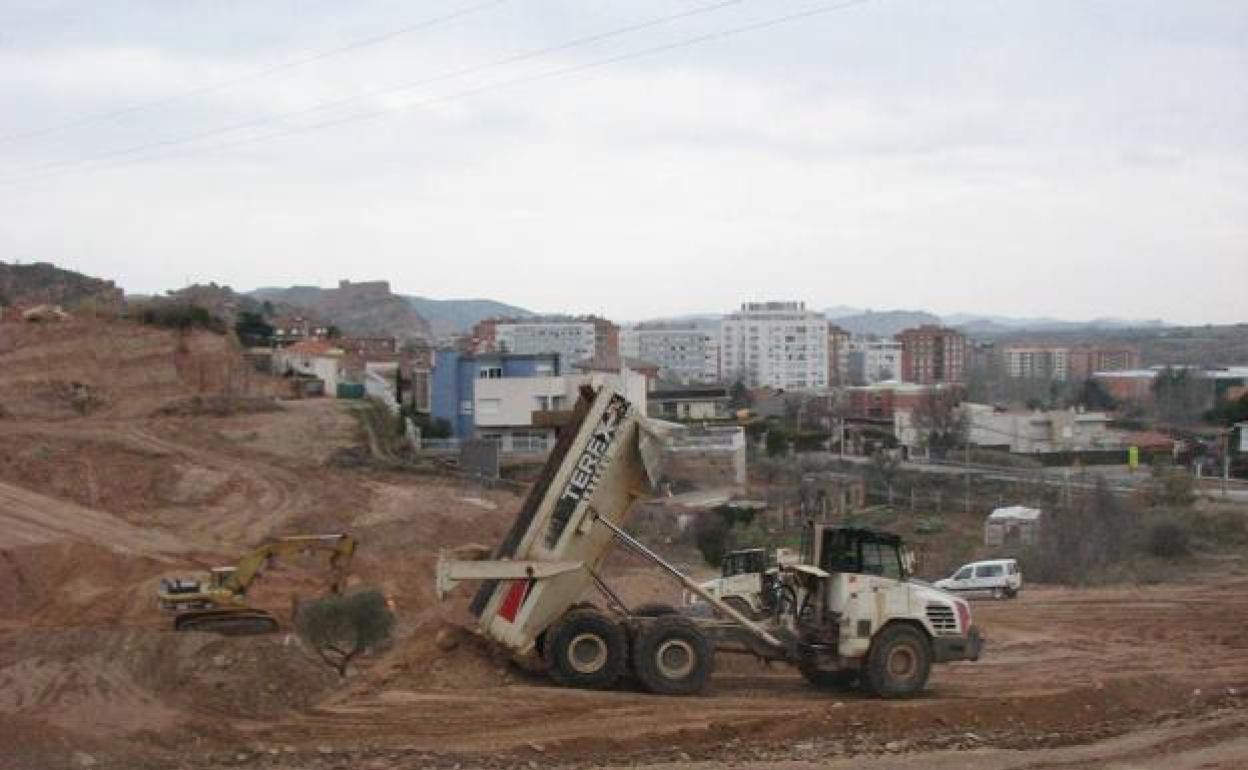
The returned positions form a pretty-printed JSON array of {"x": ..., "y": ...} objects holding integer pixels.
[{"x": 858, "y": 616}]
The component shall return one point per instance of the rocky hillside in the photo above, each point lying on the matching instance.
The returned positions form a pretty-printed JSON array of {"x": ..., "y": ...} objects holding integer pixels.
[
  {"x": 43, "y": 283},
  {"x": 458, "y": 316},
  {"x": 365, "y": 309}
]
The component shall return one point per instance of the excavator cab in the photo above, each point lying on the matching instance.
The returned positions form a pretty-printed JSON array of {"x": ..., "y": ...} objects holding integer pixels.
[{"x": 219, "y": 576}]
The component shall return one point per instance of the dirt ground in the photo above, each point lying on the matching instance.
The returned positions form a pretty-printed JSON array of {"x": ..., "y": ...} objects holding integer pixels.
[{"x": 97, "y": 504}]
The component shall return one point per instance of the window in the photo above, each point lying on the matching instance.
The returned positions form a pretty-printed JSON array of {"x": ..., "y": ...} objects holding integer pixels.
[
  {"x": 963, "y": 574},
  {"x": 989, "y": 571},
  {"x": 881, "y": 559},
  {"x": 490, "y": 373}
]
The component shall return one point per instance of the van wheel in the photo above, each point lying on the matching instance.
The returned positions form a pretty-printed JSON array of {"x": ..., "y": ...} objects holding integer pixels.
[
  {"x": 585, "y": 649},
  {"x": 673, "y": 657},
  {"x": 1011, "y": 593},
  {"x": 899, "y": 662}
]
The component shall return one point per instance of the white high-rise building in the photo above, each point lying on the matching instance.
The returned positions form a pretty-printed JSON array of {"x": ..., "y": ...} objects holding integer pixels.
[
  {"x": 683, "y": 353},
  {"x": 775, "y": 344},
  {"x": 573, "y": 340},
  {"x": 872, "y": 361}
]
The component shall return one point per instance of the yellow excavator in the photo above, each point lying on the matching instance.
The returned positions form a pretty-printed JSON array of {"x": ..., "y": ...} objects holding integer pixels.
[{"x": 220, "y": 605}]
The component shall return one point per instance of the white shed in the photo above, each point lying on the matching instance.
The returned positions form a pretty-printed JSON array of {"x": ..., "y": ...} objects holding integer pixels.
[{"x": 1013, "y": 525}]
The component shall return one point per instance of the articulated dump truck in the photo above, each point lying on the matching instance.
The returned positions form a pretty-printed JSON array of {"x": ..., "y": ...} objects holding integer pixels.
[{"x": 847, "y": 612}]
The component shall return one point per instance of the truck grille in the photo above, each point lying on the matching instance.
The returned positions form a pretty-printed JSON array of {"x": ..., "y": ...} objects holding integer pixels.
[{"x": 942, "y": 618}]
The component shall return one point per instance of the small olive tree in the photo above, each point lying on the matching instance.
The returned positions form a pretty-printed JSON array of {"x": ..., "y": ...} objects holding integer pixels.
[{"x": 341, "y": 627}]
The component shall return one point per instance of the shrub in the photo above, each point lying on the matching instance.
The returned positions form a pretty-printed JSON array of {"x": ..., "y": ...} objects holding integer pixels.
[
  {"x": 710, "y": 535},
  {"x": 777, "y": 442},
  {"x": 341, "y": 627},
  {"x": 180, "y": 316},
  {"x": 1167, "y": 540}
]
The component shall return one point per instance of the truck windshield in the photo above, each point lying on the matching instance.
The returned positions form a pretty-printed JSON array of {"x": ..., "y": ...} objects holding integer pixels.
[{"x": 881, "y": 559}]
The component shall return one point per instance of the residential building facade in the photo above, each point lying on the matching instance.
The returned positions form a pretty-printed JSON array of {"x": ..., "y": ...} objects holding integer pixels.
[
  {"x": 838, "y": 355},
  {"x": 871, "y": 361},
  {"x": 775, "y": 344},
  {"x": 573, "y": 338},
  {"x": 931, "y": 353},
  {"x": 684, "y": 354},
  {"x": 496, "y": 396},
  {"x": 1037, "y": 362},
  {"x": 689, "y": 404}
]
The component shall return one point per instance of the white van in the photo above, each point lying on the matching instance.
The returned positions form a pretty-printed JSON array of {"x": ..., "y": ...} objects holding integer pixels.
[{"x": 998, "y": 578}]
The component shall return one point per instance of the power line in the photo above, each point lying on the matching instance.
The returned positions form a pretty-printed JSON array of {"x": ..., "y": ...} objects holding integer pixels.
[
  {"x": 250, "y": 76},
  {"x": 559, "y": 72},
  {"x": 388, "y": 91}
]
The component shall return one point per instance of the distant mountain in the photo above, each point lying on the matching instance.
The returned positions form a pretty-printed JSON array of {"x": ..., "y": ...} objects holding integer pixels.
[
  {"x": 992, "y": 324},
  {"x": 42, "y": 283},
  {"x": 457, "y": 316},
  {"x": 364, "y": 309},
  {"x": 884, "y": 323}
]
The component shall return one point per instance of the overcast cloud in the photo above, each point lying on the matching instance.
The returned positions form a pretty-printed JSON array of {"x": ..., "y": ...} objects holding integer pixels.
[{"x": 1076, "y": 159}]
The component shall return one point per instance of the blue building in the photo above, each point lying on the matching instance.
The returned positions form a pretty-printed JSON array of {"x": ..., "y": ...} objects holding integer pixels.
[{"x": 455, "y": 378}]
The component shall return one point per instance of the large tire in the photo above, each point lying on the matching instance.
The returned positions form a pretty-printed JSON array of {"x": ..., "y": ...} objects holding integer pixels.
[
  {"x": 899, "y": 662},
  {"x": 654, "y": 610},
  {"x": 586, "y": 649},
  {"x": 841, "y": 679},
  {"x": 673, "y": 657}
]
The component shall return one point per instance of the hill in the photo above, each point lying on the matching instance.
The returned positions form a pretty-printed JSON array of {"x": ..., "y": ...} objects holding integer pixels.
[
  {"x": 884, "y": 323},
  {"x": 44, "y": 283},
  {"x": 458, "y": 316},
  {"x": 365, "y": 309}
]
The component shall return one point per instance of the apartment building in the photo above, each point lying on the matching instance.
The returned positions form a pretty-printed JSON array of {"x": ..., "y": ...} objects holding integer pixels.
[
  {"x": 497, "y": 396},
  {"x": 1067, "y": 362},
  {"x": 931, "y": 353},
  {"x": 838, "y": 355},
  {"x": 573, "y": 338},
  {"x": 684, "y": 354},
  {"x": 871, "y": 361},
  {"x": 775, "y": 344},
  {"x": 1037, "y": 362}
]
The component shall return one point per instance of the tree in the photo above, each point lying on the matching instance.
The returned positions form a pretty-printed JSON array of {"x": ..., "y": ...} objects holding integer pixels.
[
  {"x": 1229, "y": 412},
  {"x": 938, "y": 422},
  {"x": 1092, "y": 395},
  {"x": 1181, "y": 395},
  {"x": 341, "y": 627},
  {"x": 252, "y": 329},
  {"x": 777, "y": 442},
  {"x": 739, "y": 397}
]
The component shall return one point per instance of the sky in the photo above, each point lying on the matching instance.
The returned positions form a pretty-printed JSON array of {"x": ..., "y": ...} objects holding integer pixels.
[{"x": 1067, "y": 158}]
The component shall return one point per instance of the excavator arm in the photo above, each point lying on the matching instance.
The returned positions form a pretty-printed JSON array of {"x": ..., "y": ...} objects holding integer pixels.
[{"x": 341, "y": 549}]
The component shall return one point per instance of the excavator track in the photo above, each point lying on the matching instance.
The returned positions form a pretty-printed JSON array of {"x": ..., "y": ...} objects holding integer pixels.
[{"x": 228, "y": 622}]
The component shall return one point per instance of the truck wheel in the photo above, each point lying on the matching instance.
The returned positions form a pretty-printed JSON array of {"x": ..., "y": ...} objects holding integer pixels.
[
  {"x": 585, "y": 649},
  {"x": 654, "y": 610},
  {"x": 899, "y": 662},
  {"x": 673, "y": 657},
  {"x": 841, "y": 679}
]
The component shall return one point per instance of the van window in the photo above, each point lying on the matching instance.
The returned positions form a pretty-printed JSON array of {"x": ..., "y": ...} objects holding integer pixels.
[
  {"x": 989, "y": 571},
  {"x": 963, "y": 574}
]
